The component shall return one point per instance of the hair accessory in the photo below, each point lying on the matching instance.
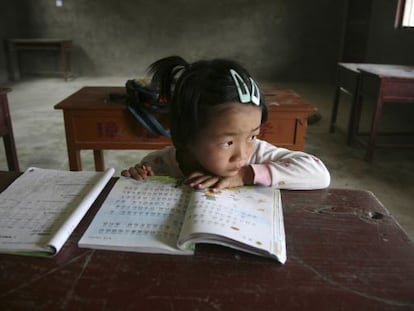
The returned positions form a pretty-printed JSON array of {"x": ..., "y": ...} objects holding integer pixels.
[
  {"x": 255, "y": 94},
  {"x": 245, "y": 95}
]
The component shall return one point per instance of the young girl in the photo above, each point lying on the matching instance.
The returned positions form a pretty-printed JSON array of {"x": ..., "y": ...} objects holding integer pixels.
[{"x": 216, "y": 111}]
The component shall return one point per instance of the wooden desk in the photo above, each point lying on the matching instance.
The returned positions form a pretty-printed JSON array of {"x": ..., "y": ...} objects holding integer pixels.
[
  {"x": 345, "y": 252},
  {"x": 92, "y": 121},
  {"x": 13, "y": 46},
  {"x": 384, "y": 83},
  {"x": 6, "y": 131}
]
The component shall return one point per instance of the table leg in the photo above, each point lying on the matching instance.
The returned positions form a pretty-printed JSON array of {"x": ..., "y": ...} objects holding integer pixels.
[
  {"x": 11, "y": 154},
  {"x": 354, "y": 117},
  {"x": 334, "y": 110},
  {"x": 374, "y": 129},
  {"x": 7, "y": 132},
  {"x": 75, "y": 163},
  {"x": 13, "y": 62},
  {"x": 99, "y": 160},
  {"x": 68, "y": 70},
  {"x": 63, "y": 61}
]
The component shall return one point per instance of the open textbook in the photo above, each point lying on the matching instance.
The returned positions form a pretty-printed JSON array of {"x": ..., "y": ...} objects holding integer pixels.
[
  {"x": 42, "y": 207},
  {"x": 160, "y": 216}
]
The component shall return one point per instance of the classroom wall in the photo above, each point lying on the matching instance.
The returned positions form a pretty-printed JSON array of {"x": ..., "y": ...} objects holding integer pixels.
[
  {"x": 387, "y": 44},
  {"x": 275, "y": 39},
  {"x": 278, "y": 40}
]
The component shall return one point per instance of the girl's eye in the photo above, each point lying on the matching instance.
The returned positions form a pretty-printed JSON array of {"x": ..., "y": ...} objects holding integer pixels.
[
  {"x": 227, "y": 144},
  {"x": 253, "y": 137}
]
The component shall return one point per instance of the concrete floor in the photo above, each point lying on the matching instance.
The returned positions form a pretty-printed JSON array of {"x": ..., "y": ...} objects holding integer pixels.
[{"x": 40, "y": 139}]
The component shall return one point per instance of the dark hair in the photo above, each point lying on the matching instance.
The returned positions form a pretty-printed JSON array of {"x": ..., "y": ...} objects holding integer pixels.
[{"x": 192, "y": 90}]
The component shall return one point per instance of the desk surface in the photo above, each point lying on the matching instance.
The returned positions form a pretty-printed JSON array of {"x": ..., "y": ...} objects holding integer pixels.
[
  {"x": 97, "y": 98},
  {"x": 385, "y": 70},
  {"x": 38, "y": 41},
  {"x": 344, "y": 252}
]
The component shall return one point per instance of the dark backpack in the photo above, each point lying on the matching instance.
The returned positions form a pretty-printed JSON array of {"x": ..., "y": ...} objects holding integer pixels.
[{"x": 144, "y": 103}]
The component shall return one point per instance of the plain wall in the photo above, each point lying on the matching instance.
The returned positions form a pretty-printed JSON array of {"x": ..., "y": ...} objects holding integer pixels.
[
  {"x": 387, "y": 44},
  {"x": 274, "y": 39},
  {"x": 277, "y": 40}
]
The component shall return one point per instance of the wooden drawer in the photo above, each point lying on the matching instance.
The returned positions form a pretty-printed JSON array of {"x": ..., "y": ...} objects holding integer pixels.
[
  {"x": 115, "y": 129},
  {"x": 287, "y": 119},
  {"x": 286, "y": 129}
]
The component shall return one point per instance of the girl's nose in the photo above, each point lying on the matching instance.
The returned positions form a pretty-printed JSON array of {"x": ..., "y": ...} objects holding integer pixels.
[{"x": 240, "y": 153}]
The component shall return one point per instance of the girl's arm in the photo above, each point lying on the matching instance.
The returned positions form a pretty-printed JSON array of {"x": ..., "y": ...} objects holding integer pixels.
[{"x": 288, "y": 169}]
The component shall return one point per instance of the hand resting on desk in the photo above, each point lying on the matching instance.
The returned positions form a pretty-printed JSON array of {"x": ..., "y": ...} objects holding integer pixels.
[{"x": 138, "y": 172}]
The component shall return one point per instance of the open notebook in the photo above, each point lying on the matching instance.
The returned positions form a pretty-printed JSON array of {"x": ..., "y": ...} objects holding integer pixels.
[
  {"x": 160, "y": 216},
  {"x": 42, "y": 207}
]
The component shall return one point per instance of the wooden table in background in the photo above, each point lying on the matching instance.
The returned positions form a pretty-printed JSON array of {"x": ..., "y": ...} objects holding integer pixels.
[
  {"x": 62, "y": 46},
  {"x": 345, "y": 252},
  {"x": 92, "y": 121},
  {"x": 384, "y": 83}
]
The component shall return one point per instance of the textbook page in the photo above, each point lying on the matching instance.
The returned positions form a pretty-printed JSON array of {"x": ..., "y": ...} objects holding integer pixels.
[
  {"x": 140, "y": 216},
  {"x": 41, "y": 208},
  {"x": 245, "y": 218}
]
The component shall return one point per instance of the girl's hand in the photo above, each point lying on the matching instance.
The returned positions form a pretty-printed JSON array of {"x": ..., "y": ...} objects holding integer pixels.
[
  {"x": 138, "y": 172},
  {"x": 199, "y": 180}
]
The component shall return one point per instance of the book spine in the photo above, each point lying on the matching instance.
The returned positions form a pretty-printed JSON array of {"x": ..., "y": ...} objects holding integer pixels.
[{"x": 70, "y": 224}]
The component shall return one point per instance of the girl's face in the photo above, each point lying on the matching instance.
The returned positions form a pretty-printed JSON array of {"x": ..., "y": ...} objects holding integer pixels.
[{"x": 226, "y": 144}]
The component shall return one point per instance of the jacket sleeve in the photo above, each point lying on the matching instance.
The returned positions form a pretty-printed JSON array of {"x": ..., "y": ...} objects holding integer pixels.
[{"x": 288, "y": 169}]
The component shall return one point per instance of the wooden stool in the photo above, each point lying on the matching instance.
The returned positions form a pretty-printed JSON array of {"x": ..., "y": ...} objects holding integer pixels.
[{"x": 6, "y": 131}]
